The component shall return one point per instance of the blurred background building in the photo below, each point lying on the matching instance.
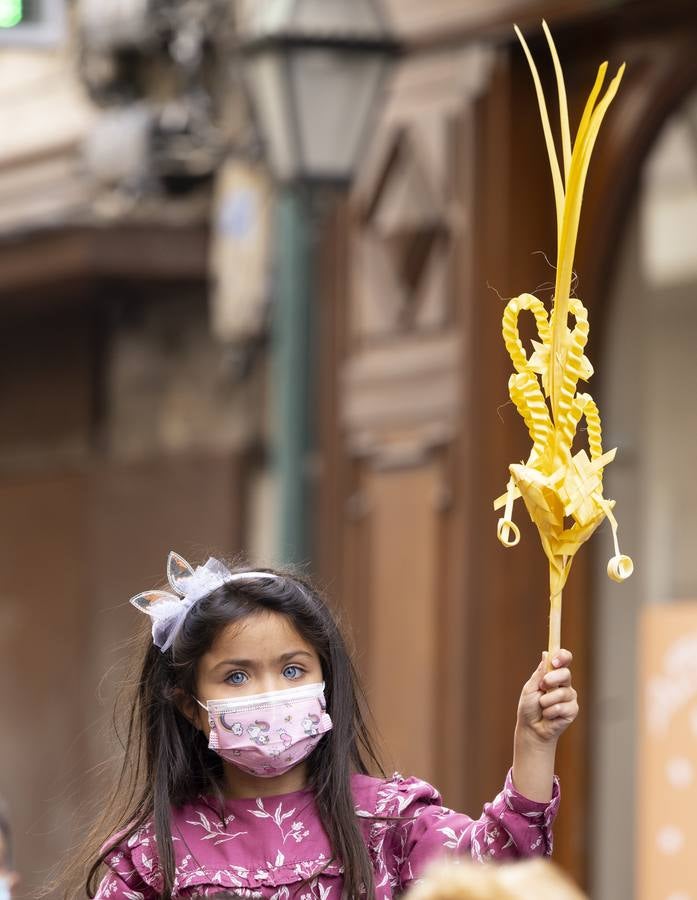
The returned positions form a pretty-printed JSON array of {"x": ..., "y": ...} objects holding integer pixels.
[{"x": 214, "y": 344}]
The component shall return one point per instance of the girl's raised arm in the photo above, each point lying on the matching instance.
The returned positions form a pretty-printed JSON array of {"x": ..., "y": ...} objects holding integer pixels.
[
  {"x": 548, "y": 705},
  {"x": 510, "y": 827}
]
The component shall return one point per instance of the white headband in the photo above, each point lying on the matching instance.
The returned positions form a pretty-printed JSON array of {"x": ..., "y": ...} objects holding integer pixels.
[{"x": 168, "y": 611}]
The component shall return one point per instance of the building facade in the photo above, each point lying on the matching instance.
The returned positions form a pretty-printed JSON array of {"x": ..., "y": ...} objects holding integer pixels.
[{"x": 134, "y": 295}]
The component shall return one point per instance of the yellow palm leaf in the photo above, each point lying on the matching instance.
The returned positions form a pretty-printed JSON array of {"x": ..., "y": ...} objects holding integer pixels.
[{"x": 563, "y": 492}]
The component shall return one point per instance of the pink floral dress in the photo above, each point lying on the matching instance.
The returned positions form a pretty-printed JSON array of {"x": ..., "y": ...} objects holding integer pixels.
[{"x": 275, "y": 848}]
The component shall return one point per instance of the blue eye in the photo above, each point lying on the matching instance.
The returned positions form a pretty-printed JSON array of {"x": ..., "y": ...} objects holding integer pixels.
[
  {"x": 293, "y": 672},
  {"x": 236, "y": 678}
]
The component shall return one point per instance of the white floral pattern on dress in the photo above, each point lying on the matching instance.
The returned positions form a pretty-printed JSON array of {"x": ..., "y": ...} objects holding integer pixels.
[
  {"x": 297, "y": 830},
  {"x": 215, "y": 831},
  {"x": 277, "y": 849}
]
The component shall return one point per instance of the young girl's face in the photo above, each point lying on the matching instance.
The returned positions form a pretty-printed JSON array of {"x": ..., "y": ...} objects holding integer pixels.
[{"x": 263, "y": 652}]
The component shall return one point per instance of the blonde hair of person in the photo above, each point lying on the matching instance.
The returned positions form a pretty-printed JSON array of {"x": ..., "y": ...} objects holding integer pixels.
[{"x": 528, "y": 880}]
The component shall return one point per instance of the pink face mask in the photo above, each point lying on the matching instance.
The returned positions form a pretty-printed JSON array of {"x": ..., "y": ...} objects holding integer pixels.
[{"x": 268, "y": 734}]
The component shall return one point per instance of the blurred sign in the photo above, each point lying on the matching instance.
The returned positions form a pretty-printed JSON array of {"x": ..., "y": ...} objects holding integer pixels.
[
  {"x": 667, "y": 776},
  {"x": 30, "y": 22},
  {"x": 240, "y": 251},
  {"x": 13, "y": 12}
]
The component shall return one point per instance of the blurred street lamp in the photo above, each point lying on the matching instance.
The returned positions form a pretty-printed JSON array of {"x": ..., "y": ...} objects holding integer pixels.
[{"x": 315, "y": 71}]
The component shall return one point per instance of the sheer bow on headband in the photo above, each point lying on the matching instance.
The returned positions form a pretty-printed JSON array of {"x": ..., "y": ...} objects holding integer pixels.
[{"x": 168, "y": 611}]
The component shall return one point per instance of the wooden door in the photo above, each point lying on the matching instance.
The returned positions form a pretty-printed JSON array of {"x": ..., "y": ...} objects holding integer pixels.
[
  {"x": 43, "y": 654},
  {"x": 74, "y": 547}
]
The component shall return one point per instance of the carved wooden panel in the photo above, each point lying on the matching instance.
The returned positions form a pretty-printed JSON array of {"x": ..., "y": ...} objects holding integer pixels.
[
  {"x": 413, "y": 18},
  {"x": 400, "y": 381},
  {"x": 402, "y": 620},
  {"x": 441, "y": 21},
  {"x": 395, "y": 360}
]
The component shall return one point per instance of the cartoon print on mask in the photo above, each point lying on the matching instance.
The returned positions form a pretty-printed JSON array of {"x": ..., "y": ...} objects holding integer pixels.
[
  {"x": 258, "y": 732},
  {"x": 310, "y": 723},
  {"x": 272, "y": 745},
  {"x": 236, "y": 727}
]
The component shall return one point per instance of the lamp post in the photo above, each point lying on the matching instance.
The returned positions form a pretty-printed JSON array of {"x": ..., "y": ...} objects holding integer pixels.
[{"x": 314, "y": 71}]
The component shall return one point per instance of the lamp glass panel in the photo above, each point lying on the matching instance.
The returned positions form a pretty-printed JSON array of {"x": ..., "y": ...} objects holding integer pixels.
[
  {"x": 265, "y": 73},
  {"x": 358, "y": 18},
  {"x": 334, "y": 98}
]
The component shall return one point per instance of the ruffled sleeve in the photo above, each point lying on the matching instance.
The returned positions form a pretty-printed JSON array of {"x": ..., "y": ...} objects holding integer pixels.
[
  {"x": 122, "y": 881},
  {"x": 510, "y": 827}
]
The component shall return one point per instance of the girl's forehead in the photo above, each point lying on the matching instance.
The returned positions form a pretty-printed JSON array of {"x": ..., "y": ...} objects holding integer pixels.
[{"x": 257, "y": 636}]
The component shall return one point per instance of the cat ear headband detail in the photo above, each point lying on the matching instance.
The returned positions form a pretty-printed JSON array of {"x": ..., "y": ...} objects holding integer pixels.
[{"x": 168, "y": 610}]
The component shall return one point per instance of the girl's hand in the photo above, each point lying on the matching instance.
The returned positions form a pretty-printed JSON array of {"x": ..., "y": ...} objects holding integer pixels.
[{"x": 548, "y": 703}]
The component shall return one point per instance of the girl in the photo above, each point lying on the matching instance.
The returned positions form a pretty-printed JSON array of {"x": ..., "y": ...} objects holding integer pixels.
[{"x": 224, "y": 786}]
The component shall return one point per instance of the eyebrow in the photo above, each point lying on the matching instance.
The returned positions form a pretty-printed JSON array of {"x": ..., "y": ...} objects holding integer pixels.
[{"x": 250, "y": 663}]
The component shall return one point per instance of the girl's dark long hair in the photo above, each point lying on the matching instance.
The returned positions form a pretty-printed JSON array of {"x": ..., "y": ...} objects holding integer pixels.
[{"x": 167, "y": 761}]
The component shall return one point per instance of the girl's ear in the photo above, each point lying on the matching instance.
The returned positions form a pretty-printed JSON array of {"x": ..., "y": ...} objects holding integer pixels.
[{"x": 189, "y": 708}]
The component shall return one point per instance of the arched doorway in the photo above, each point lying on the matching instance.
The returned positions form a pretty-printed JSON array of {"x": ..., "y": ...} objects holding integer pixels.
[{"x": 494, "y": 606}]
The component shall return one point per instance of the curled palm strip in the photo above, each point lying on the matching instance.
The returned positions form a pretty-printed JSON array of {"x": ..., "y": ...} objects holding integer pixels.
[{"x": 562, "y": 490}]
